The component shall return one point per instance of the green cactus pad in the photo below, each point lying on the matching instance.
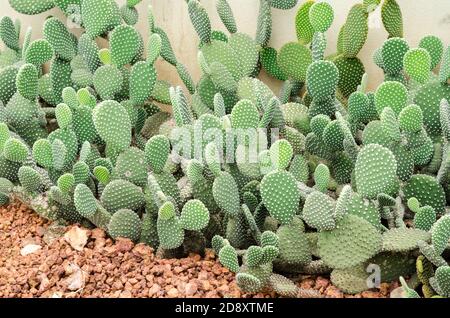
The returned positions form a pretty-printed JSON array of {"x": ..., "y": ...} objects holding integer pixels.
[
  {"x": 66, "y": 183},
  {"x": 63, "y": 116},
  {"x": 253, "y": 256},
  {"x": 427, "y": 191},
  {"x": 280, "y": 195},
  {"x": 170, "y": 232},
  {"x": 113, "y": 124},
  {"x": 228, "y": 258},
  {"x": 88, "y": 49},
  {"x": 393, "y": 52},
  {"x": 293, "y": 244},
  {"x": 435, "y": 48},
  {"x": 428, "y": 98},
  {"x": 333, "y": 136},
  {"x": 374, "y": 134},
  {"x": 411, "y": 118},
  {"x": 247, "y": 50},
  {"x": 440, "y": 234},
  {"x": 390, "y": 124},
  {"x": 403, "y": 239},
  {"x": 321, "y": 16},
  {"x": 102, "y": 174},
  {"x": 130, "y": 166},
  {"x": 269, "y": 61},
  {"x": 121, "y": 194},
  {"x": 294, "y": 60},
  {"x": 303, "y": 26},
  {"x": 424, "y": 218},
  {"x": 355, "y": 30},
  {"x": 81, "y": 172},
  {"x": 375, "y": 171},
  {"x": 124, "y": 41},
  {"x": 108, "y": 81},
  {"x": 283, "y": 4},
  {"x": 29, "y": 178},
  {"x": 226, "y": 15},
  {"x": 27, "y": 81},
  {"x": 391, "y": 16},
  {"x": 100, "y": 16},
  {"x": 200, "y": 20},
  {"x": 56, "y": 33},
  {"x": 142, "y": 82},
  {"x": 393, "y": 95},
  {"x": 405, "y": 162},
  {"x": 322, "y": 79},
  {"x": 226, "y": 194},
  {"x": 318, "y": 211},
  {"x": 125, "y": 223},
  {"x": 38, "y": 52},
  {"x": 129, "y": 14},
  {"x": 351, "y": 71},
  {"x": 194, "y": 216},
  {"x": 352, "y": 242},
  {"x": 417, "y": 64},
  {"x": 8, "y": 86},
  {"x": 8, "y": 34},
  {"x": 351, "y": 280},
  {"x": 322, "y": 177},
  {"x": 60, "y": 77},
  {"x": 15, "y": 150},
  {"x": 281, "y": 153},
  {"x": 157, "y": 152},
  {"x": 31, "y": 7},
  {"x": 42, "y": 153}
]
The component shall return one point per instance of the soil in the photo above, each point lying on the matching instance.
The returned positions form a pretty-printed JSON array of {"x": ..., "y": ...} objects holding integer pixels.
[{"x": 43, "y": 259}]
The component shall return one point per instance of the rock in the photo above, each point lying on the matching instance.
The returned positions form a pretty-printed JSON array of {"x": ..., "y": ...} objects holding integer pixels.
[
  {"x": 30, "y": 249},
  {"x": 154, "y": 290},
  {"x": 98, "y": 233},
  {"x": 333, "y": 292},
  {"x": 190, "y": 289},
  {"x": 76, "y": 279},
  {"x": 173, "y": 293},
  {"x": 45, "y": 283},
  {"x": 321, "y": 283},
  {"x": 126, "y": 294},
  {"x": 370, "y": 294},
  {"x": 124, "y": 245},
  {"x": 77, "y": 238}
]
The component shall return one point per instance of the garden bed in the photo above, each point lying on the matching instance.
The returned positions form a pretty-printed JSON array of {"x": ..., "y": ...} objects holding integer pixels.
[{"x": 43, "y": 259}]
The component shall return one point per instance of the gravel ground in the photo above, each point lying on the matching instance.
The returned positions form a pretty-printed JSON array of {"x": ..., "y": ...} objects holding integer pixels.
[{"x": 39, "y": 259}]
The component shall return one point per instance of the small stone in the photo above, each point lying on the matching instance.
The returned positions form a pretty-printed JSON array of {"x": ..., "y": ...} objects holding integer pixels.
[
  {"x": 173, "y": 293},
  {"x": 190, "y": 289},
  {"x": 126, "y": 294},
  {"x": 124, "y": 245},
  {"x": 154, "y": 290},
  {"x": 370, "y": 294},
  {"x": 76, "y": 237},
  {"x": 30, "y": 249}
]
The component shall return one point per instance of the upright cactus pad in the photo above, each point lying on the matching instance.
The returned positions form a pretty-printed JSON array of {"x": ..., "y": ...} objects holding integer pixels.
[
  {"x": 280, "y": 195},
  {"x": 375, "y": 171}
]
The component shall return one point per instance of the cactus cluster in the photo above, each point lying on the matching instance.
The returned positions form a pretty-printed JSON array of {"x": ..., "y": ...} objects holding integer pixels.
[{"x": 324, "y": 178}]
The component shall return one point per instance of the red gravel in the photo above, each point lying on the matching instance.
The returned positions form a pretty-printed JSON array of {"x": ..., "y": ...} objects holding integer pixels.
[{"x": 75, "y": 262}]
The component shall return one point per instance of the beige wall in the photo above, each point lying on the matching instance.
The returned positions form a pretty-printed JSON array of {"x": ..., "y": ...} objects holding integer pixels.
[{"x": 422, "y": 17}]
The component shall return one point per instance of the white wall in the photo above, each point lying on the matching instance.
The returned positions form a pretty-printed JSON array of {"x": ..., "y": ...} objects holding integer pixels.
[{"x": 422, "y": 17}]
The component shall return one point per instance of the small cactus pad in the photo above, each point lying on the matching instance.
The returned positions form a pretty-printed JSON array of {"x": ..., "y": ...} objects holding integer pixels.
[{"x": 375, "y": 171}]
